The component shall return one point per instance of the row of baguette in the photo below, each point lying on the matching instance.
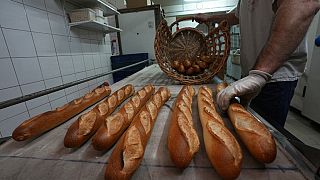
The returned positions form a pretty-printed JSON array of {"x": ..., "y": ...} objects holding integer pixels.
[{"x": 131, "y": 126}]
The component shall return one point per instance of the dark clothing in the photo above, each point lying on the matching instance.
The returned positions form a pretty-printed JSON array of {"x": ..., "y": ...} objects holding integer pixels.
[{"x": 273, "y": 102}]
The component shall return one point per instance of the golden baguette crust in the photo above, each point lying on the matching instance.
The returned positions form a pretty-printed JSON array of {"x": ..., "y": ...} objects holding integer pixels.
[
  {"x": 252, "y": 132},
  {"x": 222, "y": 148},
  {"x": 87, "y": 124},
  {"x": 128, "y": 152},
  {"x": 183, "y": 141},
  {"x": 46, "y": 121},
  {"x": 115, "y": 125}
]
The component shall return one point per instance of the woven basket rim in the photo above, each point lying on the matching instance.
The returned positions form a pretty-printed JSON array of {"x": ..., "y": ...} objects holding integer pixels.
[{"x": 207, "y": 75}]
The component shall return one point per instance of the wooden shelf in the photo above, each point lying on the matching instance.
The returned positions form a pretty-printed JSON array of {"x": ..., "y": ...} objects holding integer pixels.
[
  {"x": 96, "y": 26},
  {"x": 108, "y": 9}
]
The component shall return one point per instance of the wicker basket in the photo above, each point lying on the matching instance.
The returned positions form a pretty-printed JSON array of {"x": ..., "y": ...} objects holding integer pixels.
[{"x": 188, "y": 43}]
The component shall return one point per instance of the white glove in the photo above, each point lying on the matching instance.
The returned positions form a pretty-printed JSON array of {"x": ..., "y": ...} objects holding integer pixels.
[{"x": 246, "y": 89}]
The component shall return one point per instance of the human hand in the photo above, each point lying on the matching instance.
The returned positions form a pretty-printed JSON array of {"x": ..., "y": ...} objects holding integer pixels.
[
  {"x": 201, "y": 18},
  {"x": 246, "y": 89}
]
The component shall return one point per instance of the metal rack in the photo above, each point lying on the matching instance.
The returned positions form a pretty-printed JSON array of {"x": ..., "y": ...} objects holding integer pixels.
[
  {"x": 21, "y": 99},
  {"x": 108, "y": 10}
]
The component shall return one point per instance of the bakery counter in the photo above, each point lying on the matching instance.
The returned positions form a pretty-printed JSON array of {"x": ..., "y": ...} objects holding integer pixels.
[{"x": 46, "y": 157}]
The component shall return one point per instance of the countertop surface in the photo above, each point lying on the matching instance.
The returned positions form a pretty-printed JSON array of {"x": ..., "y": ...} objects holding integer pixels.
[{"x": 46, "y": 157}]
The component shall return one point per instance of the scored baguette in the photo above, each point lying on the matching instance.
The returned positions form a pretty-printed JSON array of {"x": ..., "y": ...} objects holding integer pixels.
[
  {"x": 87, "y": 124},
  {"x": 46, "y": 121},
  {"x": 222, "y": 148},
  {"x": 183, "y": 141},
  {"x": 128, "y": 152},
  {"x": 113, "y": 126},
  {"x": 252, "y": 132}
]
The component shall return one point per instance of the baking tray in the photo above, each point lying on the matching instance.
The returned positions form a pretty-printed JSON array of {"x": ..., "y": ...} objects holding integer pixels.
[{"x": 45, "y": 157}]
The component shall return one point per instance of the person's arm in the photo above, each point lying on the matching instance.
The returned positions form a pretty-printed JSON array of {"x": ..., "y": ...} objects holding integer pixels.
[
  {"x": 291, "y": 23},
  {"x": 230, "y": 18}
]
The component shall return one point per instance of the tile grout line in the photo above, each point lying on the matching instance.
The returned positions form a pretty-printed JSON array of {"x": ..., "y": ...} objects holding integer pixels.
[
  {"x": 49, "y": 33},
  {"x": 14, "y": 69},
  {"x": 36, "y": 7},
  {"x": 55, "y": 49},
  {"x": 35, "y": 49}
]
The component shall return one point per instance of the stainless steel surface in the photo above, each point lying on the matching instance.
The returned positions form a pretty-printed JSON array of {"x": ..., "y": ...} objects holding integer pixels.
[
  {"x": 95, "y": 26},
  {"x": 46, "y": 157}
]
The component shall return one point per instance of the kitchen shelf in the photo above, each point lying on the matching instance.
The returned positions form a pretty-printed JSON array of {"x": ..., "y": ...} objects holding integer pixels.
[
  {"x": 95, "y": 25},
  {"x": 108, "y": 9}
]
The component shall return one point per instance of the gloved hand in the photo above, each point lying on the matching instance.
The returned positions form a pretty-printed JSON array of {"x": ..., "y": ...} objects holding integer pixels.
[{"x": 246, "y": 89}]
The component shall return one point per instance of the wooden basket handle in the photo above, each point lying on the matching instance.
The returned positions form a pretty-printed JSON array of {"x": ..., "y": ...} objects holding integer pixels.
[{"x": 186, "y": 19}]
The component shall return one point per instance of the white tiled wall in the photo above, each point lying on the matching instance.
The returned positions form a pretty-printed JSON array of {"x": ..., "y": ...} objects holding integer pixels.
[{"x": 38, "y": 50}]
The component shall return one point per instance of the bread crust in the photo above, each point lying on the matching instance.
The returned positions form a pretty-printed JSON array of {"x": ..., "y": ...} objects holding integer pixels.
[
  {"x": 128, "y": 152},
  {"x": 253, "y": 133},
  {"x": 46, "y": 121},
  {"x": 222, "y": 148},
  {"x": 183, "y": 141},
  {"x": 87, "y": 124},
  {"x": 114, "y": 126}
]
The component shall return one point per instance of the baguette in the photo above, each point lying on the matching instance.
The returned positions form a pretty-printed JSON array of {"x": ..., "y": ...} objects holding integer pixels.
[
  {"x": 115, "y": 125},
  {"x": 252, "y": 132},
  {"x": 87, "y": 124},
  {"x": 222, "y": 148},
  {"x": 128, "y": 152},
  {"x": 46, "y": 121},
  {"x": 183, "y": 141}
]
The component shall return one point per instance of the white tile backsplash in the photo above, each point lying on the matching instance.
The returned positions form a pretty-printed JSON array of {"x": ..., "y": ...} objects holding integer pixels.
[
  {"x": 12, "y": 111},
  {"x": 66, "y": 65},
  {"x": 3, "y": 47},
  {"x": 27, "y": 69},
  {"x": 96, "y": 61},
  {"x": 58, "y": 102},
  {"x": 53, "y": 83},
  {"x": 75, "y": 46},
  {"x": 54, "y": 6},
  {"x": 58, "y": 24},
  {"x": 34, "y": 57},
  {"x": 88, "y": 62},
  {"x": 10, "y": 124},
  {"x": 68, "y": 79},
  {"x": 36, "y": 102},
  {"x": 78, "y": 63},
  {"x": 90, "y": 73},
  {"x": 10, "y": 93},
  {"x": 38, "y": 20},
  {"x": 103, "y": 60},
  {"x": 31, "y": 88},
  {"x": 86, "y": 47},
  {"x": 94, "y": 46},
  {"x": 41, "y": 109},
  {"x": 75, "y": 32},
  {"x": 81, "y": 75},
  {"x": 44, "y": 44},
  {"x": 20, "y": 43},
  {"x": 7, "y": 75},
  {"x": 13, "y": 15},
  {"x": 92, "y": 82},
  {"x": 83, "y": 91},
  {"x": 35, "y": 3},
  {"x": 62, "y": 44},
  {"x": 49, "y": 67},
  {"x": 72, "y": 96}
]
